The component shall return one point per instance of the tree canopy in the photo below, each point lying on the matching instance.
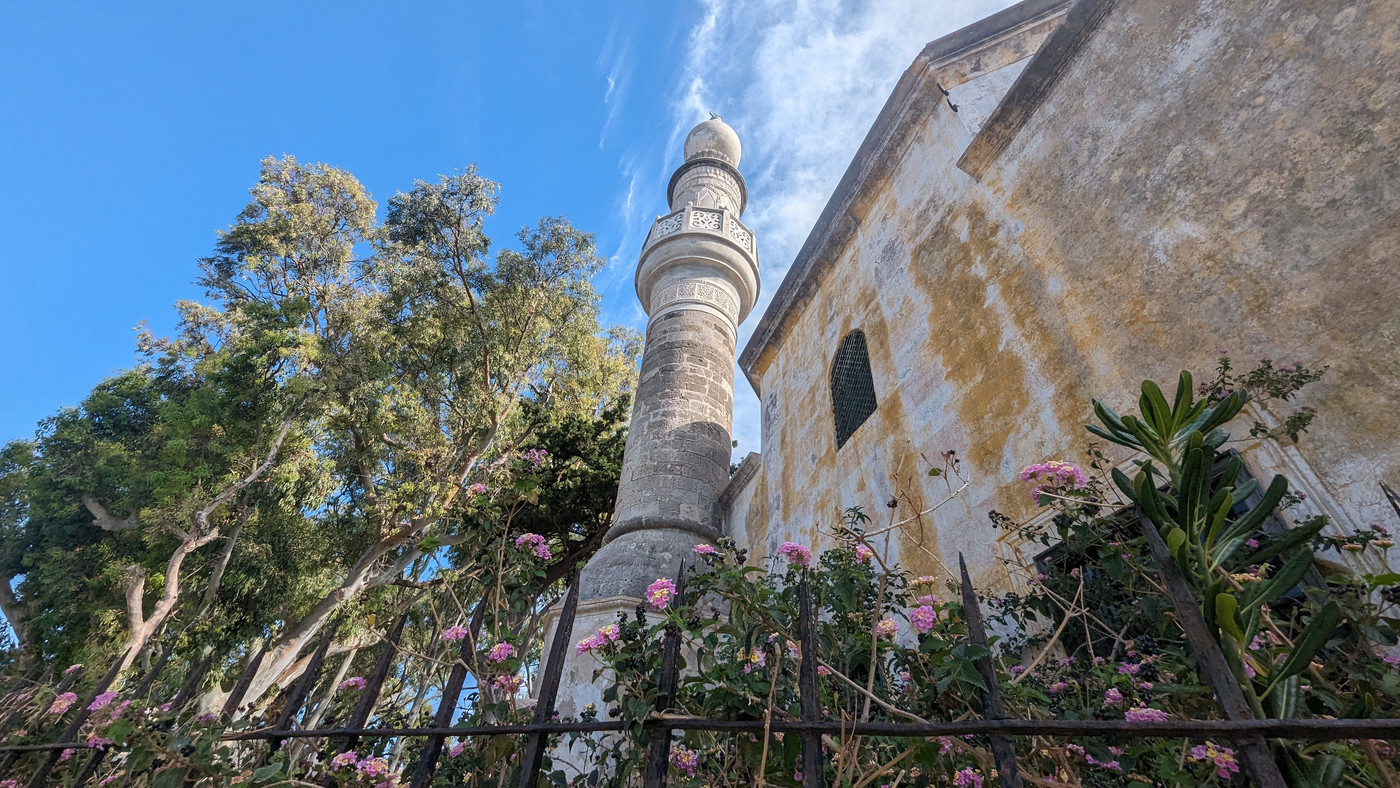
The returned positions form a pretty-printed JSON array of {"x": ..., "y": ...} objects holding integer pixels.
[{"x": 358, "y": 404}]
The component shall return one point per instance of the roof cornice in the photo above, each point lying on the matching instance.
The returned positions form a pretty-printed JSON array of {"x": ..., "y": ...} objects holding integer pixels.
[{"x": 914, "y": 96}]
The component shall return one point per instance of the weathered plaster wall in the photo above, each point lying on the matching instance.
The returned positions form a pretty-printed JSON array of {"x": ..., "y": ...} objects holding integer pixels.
[
  {"x": 1202, "y": 177},
  {"x": 960, "y": 356},
  {"x": 1227, "y": 175}
]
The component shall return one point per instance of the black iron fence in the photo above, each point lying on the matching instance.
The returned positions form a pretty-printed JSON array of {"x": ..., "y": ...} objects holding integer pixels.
[{"x": 1240, "y": 725}]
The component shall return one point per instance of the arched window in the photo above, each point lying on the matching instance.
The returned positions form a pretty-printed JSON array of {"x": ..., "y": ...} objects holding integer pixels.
[{"x": 852, "y": 388}]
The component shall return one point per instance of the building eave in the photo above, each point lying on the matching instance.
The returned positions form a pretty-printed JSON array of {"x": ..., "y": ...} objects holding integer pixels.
[{"x": 914, "y": 96}]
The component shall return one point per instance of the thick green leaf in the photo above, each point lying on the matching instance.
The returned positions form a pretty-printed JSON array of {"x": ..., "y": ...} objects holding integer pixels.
[
  {"x": 1317, "y": 633},
  {"x": 1294, "y": 538},
  {"x": 1225, "y": 607}
]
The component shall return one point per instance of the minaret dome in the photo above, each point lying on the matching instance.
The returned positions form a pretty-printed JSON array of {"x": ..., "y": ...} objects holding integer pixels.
[{"x": 713, "y": 139}]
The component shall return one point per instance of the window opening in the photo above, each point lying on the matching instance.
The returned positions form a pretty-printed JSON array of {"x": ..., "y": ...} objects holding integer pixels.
[{"x": 852, "y": 387}]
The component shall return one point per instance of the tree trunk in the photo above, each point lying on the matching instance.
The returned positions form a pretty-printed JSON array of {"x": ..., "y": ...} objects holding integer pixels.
[{"x": 216, "y": 576}]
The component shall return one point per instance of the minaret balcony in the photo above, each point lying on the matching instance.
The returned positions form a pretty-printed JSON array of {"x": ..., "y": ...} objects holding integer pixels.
[{"x": 708, "y": 221}]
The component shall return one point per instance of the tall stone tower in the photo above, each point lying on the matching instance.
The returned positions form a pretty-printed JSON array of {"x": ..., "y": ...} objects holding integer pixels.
[{"x": 697, "y": 280}]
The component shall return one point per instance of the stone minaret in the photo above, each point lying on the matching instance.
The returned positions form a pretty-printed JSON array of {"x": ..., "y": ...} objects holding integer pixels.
[{"x": 697, "y": 280}]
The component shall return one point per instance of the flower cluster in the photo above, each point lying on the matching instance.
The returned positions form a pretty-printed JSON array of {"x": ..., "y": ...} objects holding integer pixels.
[
  {"x": 63, "y": 703},
  {"x": 536, "y": 543},
  {"x": 536, "y": 456},
  {"x": 508, "y": 684},
  {"x": 102, "y": 701},
  {"x": 1054, "y": 477},
  {"x": 796, "y": 554},
  {"x": 1144, "y": 714},
  {"x": 886, "y": 628},
  {"x": 967, "y": 777},
  {"x": 608, "y": 634},
  {"x": 685, "y": 760},
  {"x": 369, "y": 768},
  {"x": 923, "y": 618},
  {"x": 354, "y": 682},
  {"x": 864, "y": 554},
  {"x": 1222, "y": 757},
  {"x": 476, "y": 489},
  {"x": 753, "y": 659},
  {"x": 454, "y": 633},
  {"x": 703, "y": 549},
  {"x": 660, "y": 593},
  {"x": 501, "y": 652}
]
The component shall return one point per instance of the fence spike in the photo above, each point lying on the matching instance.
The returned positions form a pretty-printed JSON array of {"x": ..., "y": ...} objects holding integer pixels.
[
  {"x": 659, "y": 736},
  {"x": 533, "y": 759},
  {"x": 369, "y": 696},
  {"x": 245, "y": 679},
  {"x": 305, "y": 682},
  {"x": 812, "y": 769},
  {"x": 447, "y": 705},
  {"x": 1003, "y": 751},
  {"x": 1259, "y": 764}
]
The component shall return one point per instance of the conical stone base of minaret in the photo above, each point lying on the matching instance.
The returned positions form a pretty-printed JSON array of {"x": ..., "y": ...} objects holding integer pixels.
[{"x": 697, "y": 280}]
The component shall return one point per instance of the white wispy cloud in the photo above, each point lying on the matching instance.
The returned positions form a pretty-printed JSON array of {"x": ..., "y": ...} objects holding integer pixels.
[{"x": 802, "y": 83}]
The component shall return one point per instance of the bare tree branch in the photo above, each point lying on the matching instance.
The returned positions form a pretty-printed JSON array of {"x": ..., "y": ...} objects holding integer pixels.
[{"x": 107, "y": 522}]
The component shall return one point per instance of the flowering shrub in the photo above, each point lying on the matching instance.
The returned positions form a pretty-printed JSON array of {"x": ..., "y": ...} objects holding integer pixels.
[{"x": 1088, "y": 634}]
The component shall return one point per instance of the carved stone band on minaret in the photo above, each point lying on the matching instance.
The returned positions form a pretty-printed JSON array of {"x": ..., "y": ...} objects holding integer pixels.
[{"x": 697, "y": 279}]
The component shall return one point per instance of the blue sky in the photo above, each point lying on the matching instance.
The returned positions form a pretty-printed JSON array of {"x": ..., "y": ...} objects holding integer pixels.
[{"x": 131, "y": 132}]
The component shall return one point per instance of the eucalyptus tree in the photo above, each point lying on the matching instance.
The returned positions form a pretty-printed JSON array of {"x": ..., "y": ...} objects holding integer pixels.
[{"x": 315, "y": 427}]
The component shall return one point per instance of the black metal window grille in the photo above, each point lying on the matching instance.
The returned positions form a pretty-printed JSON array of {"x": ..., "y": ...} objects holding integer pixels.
[{"x": 852, "y": 387}]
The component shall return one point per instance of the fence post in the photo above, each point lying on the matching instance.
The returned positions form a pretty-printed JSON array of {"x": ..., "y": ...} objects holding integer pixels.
[
  {"x": 533, "y": 759},
  {"x": 245, "y": 679},
  {"x": 1259, "y": 763},
  {"x": 447, "y": 705},
  {"x": 193, "y": 680},
  {"x": 812, "y": 768},
  {"x": 658, "y": 734},
  {"x": 1003, "y": 751},
  {"x": 370, "y": 695},
  {"x": 305, "y": 682}
]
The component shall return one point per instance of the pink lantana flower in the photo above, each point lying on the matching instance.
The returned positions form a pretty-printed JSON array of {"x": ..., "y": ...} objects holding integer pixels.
[
  {"x": 967, "y": 778},
  {"x": 508, "y": 684},
  {"x": 501, "y": 652},
  {"x": 886, "y": 628},
  {"x": 1222, "y": 757},
  {"x": 703, "y": 549},
  {"x": 347, "y": 758},
  {"x": 1112, "y": 697},
  {"x": 354, "y": 682},
  {"x": 923, "y": 618},
  {"x": 1145, "y": 714},
  {"x": 372, "y": 767},
  {"x": 536, "y": 543},
  {"x": 456, "y": 749},
  {"x": 796, "y": 554},
  {"x": 102, "y": 701},
  {"x": 1055, "y": 477},
  {"x": 685, "y": 760},
  {"x": 660, "y": 593},
  {"x": 454, "y": 633},
  {"x": 63, "y": 702},
  {"x": 864, "y": 554}
]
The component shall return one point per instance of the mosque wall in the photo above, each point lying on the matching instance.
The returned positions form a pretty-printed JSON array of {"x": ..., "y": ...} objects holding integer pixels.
[{"x": 1188, "y": 178}]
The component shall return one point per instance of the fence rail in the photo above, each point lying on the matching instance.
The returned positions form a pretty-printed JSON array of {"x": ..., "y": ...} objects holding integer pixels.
[{"x": 1240, "y": 726}]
